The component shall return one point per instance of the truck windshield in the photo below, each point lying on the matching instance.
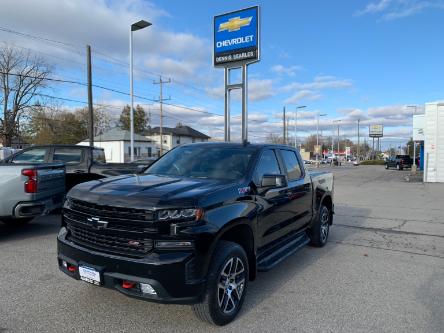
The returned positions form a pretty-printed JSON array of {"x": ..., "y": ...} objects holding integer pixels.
[{"x": 226, "y": 163}]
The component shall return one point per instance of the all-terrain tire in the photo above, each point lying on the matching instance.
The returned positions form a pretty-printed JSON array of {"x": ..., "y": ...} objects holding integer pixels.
[
  {"x": 209, "y": 309},
  {"x": 319, "y": 231}
]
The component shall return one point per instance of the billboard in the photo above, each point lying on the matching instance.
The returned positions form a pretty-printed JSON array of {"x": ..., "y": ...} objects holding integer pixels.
[
  {"x": 236, "y": 37},
  {"x": 376, "y": 131},
  {"x": 418, "y": 127}
]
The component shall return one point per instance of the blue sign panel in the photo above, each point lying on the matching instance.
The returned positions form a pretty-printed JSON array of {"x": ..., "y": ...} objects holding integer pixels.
[{"x": 236, "y": 37}]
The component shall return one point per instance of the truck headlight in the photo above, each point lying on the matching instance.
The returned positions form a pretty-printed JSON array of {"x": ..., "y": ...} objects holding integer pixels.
[{"x": 180, "y": 214}]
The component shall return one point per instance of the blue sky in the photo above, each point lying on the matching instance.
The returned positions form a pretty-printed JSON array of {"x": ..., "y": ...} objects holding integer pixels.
[{"x": 347, "y": 59}]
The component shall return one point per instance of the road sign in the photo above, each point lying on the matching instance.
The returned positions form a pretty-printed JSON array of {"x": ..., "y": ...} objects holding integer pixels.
[
  {"x": 376, "y": 131},
  {"x": 236, "y": 37}
]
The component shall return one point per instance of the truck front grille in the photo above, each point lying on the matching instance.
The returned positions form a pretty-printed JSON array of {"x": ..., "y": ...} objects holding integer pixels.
[
  {"x": 91, "y": 227},
  {"x": 97, "y": 240}
]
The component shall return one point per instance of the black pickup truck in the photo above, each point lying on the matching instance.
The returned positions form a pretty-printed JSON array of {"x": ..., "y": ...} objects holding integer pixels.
[
  {"x": 83, "y": 163},
  {"x": 399, "y": 162},
  {"x": 197, "y": 225}
]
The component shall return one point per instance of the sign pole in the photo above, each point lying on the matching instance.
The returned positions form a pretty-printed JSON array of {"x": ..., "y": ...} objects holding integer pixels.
[
  {"x": 244, "y": 103},
  {"x": 227, "y": 105},
  {"x": 236, "y": 45}
]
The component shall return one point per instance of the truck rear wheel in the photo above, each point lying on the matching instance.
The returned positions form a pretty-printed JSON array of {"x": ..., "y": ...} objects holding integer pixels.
[
  {"x": 320, "y": 230},
  {"x": 226, "y": 285}
]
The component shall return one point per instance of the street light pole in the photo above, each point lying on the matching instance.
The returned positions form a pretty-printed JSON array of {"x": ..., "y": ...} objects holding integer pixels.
[
  {"x": 134, "y": 27},
  {"x": 337, "y": 121},
  {"x": 414, "y": 143},
  {"x": 296, "y": 124},
  {"x": 317, "y": 135}
]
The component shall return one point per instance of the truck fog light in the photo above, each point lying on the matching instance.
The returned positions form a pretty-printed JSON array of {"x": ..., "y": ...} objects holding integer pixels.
[
  {"x": 65, "y": 264},
  {"x": 147, "y": 289}
]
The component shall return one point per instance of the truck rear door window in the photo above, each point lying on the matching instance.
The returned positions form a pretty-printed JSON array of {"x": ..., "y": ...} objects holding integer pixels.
[
  {"x": 291, "y": 163},
  {"x": 68, "y": 156},
  {"x": 31, "y": 156}
]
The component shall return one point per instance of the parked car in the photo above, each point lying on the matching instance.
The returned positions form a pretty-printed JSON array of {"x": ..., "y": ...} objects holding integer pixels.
[
  {"x": 83, "y": 163},
  {"x": 197, "y": 226},
  {"x": 28, "y": 190},
  {"x": 399, "y": 162}
]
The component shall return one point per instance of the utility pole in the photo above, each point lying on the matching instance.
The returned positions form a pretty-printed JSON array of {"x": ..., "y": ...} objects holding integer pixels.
[
  {"x": 160, "y": 100},
  {"x": 90, "y": 98},
  {"x": 357, "y": 157},
  {"x": 285, "y": 127}
]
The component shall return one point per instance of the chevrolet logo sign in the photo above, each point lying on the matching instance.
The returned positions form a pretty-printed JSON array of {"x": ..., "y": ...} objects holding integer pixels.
[
  {"x": 97, "y": 223},
  {"x": 235, "y": 23}
]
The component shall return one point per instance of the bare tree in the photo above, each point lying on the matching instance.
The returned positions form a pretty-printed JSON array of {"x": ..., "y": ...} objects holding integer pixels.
[
  {"x": 22, "y": 76},
  {"x": 274, "y": 138}
]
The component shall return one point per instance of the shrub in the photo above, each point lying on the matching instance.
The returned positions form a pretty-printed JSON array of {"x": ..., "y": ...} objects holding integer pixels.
[{"x": 373, "y": 162}]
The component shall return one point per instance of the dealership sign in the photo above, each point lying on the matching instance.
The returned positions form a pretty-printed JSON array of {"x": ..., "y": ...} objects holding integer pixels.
[
  {"x": 236, "y": 37},
  {"x": 376, "y": 131}
]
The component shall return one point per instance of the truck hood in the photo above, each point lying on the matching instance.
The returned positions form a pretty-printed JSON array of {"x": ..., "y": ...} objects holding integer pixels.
[{"x": 146, "y": 191}]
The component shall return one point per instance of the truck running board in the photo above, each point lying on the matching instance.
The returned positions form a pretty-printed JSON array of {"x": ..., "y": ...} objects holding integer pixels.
[{"x": 281, "y": 250}]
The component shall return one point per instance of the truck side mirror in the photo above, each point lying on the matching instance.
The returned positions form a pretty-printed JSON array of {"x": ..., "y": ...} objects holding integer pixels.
[{"x": 273, "y": 181}]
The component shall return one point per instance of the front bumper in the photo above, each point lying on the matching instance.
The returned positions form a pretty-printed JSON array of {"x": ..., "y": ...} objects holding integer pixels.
[{"x": 169, "y": 273}]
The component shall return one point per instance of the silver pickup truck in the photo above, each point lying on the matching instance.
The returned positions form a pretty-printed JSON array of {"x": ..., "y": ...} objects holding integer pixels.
[{"x": 30, "y": 190}]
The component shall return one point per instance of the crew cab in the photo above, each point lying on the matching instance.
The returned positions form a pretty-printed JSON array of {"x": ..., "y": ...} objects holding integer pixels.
[
  {"x": 399, "y": 162},
  {"x": 83, "y": 163},
  {"x": 28, "y": 190},
  {"x": 197, "y": 225}
]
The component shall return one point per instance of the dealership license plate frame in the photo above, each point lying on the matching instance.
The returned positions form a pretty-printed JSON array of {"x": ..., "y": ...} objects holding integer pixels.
[{"x": 90, "y": 275}]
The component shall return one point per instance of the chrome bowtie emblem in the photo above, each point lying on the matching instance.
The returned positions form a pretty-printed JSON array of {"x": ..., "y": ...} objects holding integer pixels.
[{"x": 96, "y": 222}]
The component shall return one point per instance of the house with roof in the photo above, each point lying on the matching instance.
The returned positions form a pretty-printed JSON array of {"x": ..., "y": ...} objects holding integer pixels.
[
  {"x": 117, "y": 145},
  {"x": 174, "y": 136}
]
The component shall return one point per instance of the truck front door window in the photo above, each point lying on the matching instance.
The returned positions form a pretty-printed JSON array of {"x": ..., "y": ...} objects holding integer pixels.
[
  {"x": 268, "y": 165},
  {"x": 31, "y": 156}
]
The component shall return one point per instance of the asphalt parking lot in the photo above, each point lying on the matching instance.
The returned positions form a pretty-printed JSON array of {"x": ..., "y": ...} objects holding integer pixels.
[{"x": 382, "y": 271}]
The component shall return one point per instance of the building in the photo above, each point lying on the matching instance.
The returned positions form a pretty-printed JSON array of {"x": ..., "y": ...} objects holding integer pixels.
[
  {"x": 117, "y": 145},
  {"x": 434, "y": 142},
  {"x": 174, "y": 136}
]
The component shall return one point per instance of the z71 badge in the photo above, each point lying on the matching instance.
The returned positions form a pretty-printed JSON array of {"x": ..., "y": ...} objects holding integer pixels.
[{"x": 243, "y": 190}]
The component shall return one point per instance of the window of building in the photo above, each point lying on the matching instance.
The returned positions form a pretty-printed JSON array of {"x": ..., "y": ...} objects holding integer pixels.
[
  {"x": 292, "y": 164},
  {"x": 149, "y": 151},
  {"x": 99, "y": 156}
]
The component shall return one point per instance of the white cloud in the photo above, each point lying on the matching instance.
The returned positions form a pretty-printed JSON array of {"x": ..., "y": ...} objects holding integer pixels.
[
  {"x": 285, "y": 70},
  {"x": 302, "y": 95},
  {"x": 105, "y": 26},
  {"x": 396, "y": 9},
  {"x": 258, "y": 90},
  {"x": 321, "y": 82}
]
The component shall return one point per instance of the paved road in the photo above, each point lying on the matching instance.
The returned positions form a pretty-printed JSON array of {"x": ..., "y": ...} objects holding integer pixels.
[{"x": 382, "y": 271}]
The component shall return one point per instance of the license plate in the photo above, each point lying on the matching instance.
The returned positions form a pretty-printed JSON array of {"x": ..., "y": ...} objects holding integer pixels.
[{"x": 89, "y": 275}]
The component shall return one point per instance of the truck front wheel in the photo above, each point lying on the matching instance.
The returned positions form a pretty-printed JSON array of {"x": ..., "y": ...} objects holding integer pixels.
[{"x": 226, "y": 285}]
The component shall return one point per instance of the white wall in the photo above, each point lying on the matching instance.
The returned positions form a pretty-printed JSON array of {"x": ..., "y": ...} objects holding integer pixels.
[
  {"x": 113, "y": 150},
  {"x": 434, "y": 143},
  {"x": 143, "y": 154}
]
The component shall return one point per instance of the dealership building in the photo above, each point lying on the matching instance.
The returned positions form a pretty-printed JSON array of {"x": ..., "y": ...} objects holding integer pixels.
[{"x": 429, "y": 137}]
